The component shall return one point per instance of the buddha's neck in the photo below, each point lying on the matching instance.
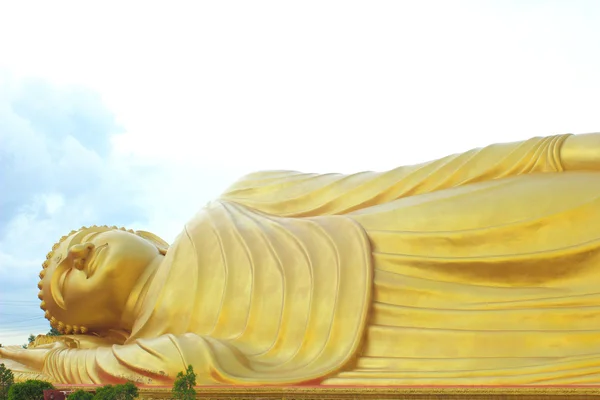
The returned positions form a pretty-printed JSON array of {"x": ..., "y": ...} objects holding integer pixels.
[{"x": 138, "y": 294}]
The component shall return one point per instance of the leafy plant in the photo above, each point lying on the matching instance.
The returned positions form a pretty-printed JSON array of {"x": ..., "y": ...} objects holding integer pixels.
[
  {"x": 80, "y": 395},
  {"x": 183, "y": 388},
  {"x": 126, "y": 391},
  {"x": 106, "y": 392},
  {"x": 6, "y": 380},
  {"x": 29, "y": 390},
  {"x": 53, "y": 332},
  {"x": 30, "y": 340}
]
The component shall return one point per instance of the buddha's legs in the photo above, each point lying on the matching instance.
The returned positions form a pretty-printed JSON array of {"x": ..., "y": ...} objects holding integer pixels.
[{"x": 499, "y": 285}]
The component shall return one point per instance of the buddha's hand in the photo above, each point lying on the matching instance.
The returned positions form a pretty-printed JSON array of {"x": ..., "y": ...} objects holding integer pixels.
[
  {"x": 581, "y": 152},
  {"x": 32, "y": 358}
]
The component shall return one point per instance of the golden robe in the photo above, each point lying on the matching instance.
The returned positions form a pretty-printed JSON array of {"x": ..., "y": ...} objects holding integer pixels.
[{"x": 479, "y": 268}]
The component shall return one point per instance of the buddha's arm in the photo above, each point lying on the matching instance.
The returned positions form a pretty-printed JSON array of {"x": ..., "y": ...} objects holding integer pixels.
[
  {"x": 152, "y": 361},
  {"x": 158, "y": 361},
  {"x": 28, "y": 363},
  {"x": 297, "y": 194},
  {"x": 22, "y": 372}
]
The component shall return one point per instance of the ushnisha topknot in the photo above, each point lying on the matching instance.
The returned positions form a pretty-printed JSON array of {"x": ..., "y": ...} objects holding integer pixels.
[{"x": 78, "y": 329}]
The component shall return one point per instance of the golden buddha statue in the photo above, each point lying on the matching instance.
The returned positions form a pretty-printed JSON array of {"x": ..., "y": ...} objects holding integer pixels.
[{"x": 477, "y": 268}]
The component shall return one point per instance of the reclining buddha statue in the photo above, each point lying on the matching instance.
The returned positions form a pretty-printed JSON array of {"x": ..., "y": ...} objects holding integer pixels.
[{"x": 477, "y": 268}]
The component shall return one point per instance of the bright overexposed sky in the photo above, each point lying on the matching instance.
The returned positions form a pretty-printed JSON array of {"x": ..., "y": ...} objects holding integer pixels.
[{"x": 138, "y": 113}]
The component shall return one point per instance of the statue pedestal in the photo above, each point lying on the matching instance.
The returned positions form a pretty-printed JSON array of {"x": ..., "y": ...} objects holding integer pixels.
[
  {"x": 366, "y": 392},
  {"x": 54, "y": 395}
]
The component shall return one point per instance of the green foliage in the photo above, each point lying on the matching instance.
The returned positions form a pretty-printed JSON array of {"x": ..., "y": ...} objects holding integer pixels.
[
  {"x": 80, "y": 395},
  {"x": 105, "y": 393},
  {"x": 53, "y": 332},
  {"x": 6, "y": 380},
  {"x": 29, "y": 390},
  {"x": 183, "y": 388},
  {"x": 127, "y": 391},
  {"x": 30, "y": 340}
]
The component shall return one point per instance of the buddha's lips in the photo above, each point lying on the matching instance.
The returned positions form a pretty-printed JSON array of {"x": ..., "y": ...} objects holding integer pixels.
[{"x": 91, "y": 264}]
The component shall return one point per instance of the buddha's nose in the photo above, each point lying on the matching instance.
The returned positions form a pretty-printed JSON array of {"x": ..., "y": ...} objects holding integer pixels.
[{"x": 79, "y": 253}]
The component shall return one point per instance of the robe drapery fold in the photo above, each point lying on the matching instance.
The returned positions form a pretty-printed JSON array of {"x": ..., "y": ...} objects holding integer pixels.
[
  {"x": 245, "y": 298},
  {"x": 479, "y": 268},
  {"x": 492, "y": 283},
  {"x": 487, "y": 264},
  {"x": 295, "y": 194}
]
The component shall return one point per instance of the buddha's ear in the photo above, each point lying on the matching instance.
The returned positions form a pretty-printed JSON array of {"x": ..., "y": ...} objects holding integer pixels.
[{"x": 157, "y": 241}]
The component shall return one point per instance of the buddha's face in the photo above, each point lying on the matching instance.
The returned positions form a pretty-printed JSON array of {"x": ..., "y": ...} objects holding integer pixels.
[{"x": 92, "y": 273}]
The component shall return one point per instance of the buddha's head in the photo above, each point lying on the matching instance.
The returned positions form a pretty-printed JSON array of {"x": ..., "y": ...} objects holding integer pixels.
[{"x": 90, "y": 273}]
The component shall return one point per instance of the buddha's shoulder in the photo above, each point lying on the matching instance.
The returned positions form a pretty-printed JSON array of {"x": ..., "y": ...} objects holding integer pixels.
[{"x": 210, "y": 218}]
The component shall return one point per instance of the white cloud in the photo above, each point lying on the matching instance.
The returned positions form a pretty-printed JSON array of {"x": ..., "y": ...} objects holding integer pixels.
[{"x": 54, "y": 202}]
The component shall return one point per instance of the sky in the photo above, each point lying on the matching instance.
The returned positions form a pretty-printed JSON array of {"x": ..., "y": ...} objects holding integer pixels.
[{"x": 137, "y": 114}]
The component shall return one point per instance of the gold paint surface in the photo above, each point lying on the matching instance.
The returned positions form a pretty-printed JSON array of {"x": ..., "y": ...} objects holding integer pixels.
[{"x": 481, "y": 268}]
